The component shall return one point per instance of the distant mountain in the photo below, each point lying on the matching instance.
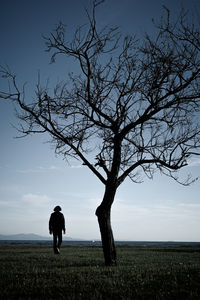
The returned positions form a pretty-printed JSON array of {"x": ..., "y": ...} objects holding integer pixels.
[
  {"x": 22, "y": 236},
  {"x": 28, "y": 236}
]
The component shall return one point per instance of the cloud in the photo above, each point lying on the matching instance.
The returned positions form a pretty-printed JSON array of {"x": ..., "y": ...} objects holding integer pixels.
[
  {"x": 35, "y": 200},
  {"x": 8, "y": 204},
  {"x": 159, "y": 221},
  {"x": 194, "y": 162},
  {"x": 26, "y": 213},
  {"x": 39, "y": 169},
  {"x": 76, "y": 166},
  {"x": 166, "y": 210}
]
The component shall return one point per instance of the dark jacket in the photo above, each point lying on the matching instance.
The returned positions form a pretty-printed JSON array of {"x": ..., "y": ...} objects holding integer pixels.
[{"x": 56, "y": 222}]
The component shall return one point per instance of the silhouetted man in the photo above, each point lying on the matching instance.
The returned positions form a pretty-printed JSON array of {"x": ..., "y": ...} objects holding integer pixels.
[{"x": 56, "y": 226}]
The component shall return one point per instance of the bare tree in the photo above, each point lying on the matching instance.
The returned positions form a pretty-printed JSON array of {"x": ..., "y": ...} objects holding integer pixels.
[{"x": 134, "y": 106}]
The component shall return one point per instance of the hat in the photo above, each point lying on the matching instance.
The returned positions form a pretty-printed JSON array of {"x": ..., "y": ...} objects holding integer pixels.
[{"x": 57, "y": 208}]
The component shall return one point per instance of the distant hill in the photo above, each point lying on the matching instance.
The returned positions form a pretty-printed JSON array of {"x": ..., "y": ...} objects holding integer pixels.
[
  {"x": 28, "y": 236},
  {"x": 22, "y": 236}
]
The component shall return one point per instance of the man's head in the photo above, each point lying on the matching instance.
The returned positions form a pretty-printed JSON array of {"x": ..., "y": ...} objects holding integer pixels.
[{"x": 57, "y": 208}]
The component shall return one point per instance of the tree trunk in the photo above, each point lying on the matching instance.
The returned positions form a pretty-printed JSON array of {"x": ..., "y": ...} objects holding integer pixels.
[{"x": 103, "y": 214}]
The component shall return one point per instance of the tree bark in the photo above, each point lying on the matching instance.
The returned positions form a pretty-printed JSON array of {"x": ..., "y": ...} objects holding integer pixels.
[{"x": 103, "y": 214}]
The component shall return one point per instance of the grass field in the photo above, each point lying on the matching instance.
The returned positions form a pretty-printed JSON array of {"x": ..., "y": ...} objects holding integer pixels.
[{"x": 34, "y": 272}]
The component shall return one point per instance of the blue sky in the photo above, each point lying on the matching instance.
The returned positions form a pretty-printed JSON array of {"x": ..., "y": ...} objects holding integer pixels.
[{"x": 33, "y": 180}]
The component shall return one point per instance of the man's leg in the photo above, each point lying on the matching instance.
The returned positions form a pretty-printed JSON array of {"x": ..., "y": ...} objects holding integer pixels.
[
  {"x": 59, "y": 239},
  {"x": 55, "y": 238}
]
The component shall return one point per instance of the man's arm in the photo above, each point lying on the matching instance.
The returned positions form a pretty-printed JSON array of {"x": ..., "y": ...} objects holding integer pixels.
[
  {"x": 50, "y": 225},
  {"x": 64, "y": 229}
]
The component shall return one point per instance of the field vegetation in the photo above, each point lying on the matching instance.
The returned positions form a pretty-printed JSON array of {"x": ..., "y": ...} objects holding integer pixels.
[{"x": 34, "y": 272}]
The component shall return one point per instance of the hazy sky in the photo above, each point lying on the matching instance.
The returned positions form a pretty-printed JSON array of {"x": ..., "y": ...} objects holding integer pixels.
[{"x": 33, "y": 180}]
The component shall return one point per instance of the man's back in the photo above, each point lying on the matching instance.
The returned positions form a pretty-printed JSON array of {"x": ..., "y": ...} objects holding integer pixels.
[{"x": 57, "y": 221}]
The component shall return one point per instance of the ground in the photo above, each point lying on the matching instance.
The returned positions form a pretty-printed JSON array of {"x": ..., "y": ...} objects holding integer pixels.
[{"x": 34, "y": 272}]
